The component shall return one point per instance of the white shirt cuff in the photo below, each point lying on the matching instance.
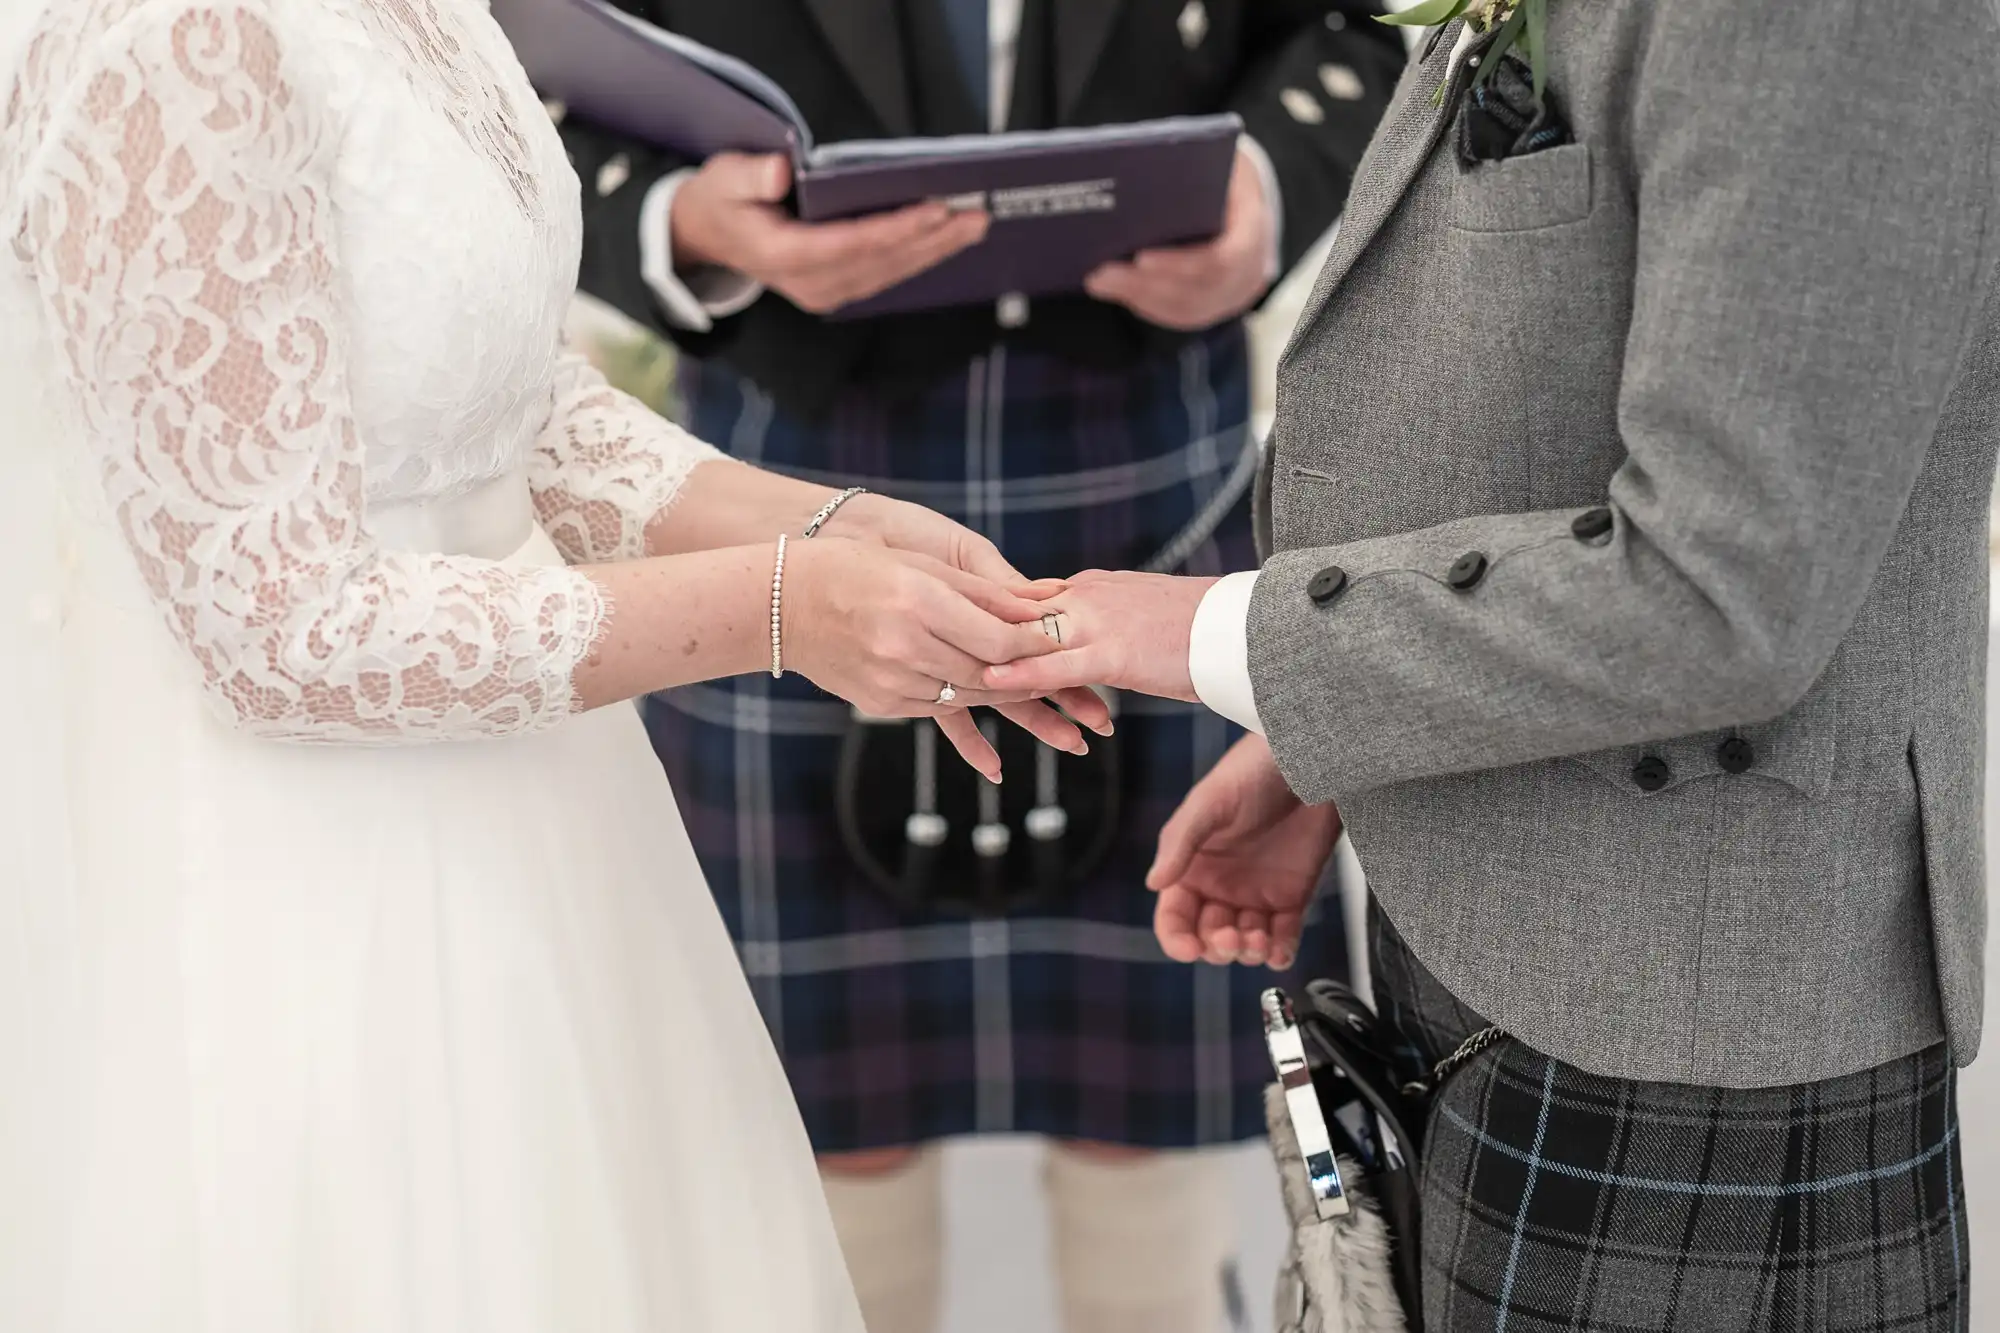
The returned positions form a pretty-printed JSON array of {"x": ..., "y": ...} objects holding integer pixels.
[
  {"x": 1219, "y": 651},
  {"x": 1274, "y": 201},
  {"x": 692, "y": 301}
]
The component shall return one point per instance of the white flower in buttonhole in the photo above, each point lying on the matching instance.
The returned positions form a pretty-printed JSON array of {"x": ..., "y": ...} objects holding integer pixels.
[{"x": 1522, "y": 26}]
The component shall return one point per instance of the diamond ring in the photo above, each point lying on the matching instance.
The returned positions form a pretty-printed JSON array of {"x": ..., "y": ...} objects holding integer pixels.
[{"x": 947, "y": 693}]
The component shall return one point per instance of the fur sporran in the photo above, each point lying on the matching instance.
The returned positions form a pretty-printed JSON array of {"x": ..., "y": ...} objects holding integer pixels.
[
  {"x": 1347, "y": 1134},
  {"x": 1336, "y": 1274}
]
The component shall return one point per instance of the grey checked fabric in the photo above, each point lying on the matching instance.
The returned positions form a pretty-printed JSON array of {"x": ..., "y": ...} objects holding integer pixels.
[
  {"x": 1556, "y": 1201},
  {"x": 1694, "y": 797}
]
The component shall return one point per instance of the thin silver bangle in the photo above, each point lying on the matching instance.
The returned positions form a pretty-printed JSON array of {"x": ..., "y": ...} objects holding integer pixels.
[
  {"x": 778, "y": 611},
  {"x": 827, "y": 510}
]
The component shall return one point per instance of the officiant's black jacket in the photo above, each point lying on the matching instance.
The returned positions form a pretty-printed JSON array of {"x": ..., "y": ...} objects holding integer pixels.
[{"x": 1310, "y": 78}]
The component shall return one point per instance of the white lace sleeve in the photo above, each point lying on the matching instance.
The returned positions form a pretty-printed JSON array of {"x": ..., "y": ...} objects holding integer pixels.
[
  {"x": 180, "y": 225},
  {"x": 606, "y": 466}
]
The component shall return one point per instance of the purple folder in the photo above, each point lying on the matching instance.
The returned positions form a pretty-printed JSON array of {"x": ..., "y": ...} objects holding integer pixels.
[{"x": 1062, "y": 201}]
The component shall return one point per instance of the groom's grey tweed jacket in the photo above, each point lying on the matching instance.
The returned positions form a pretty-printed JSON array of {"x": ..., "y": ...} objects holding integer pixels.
[{"x": 1695, "y": 797}]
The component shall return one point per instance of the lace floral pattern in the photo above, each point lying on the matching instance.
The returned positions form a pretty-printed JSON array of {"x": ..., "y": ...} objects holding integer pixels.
[
  {"x": 442, "y": 65},
  {"x": 606, "y": 466},
  {"x": 176, "y": 162}
]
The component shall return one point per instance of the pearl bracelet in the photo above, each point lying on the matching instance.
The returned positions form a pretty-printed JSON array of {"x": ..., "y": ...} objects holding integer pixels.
[{"x": 777, "y": 612}]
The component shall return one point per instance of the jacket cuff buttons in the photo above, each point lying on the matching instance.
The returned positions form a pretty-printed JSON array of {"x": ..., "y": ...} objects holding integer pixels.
[
  {"x": 1651, "y": 773},
  {"x": 1467, "y": 571},
  {"x": 1327, "y": 585},
  {"x": 1591, "y": 525}
]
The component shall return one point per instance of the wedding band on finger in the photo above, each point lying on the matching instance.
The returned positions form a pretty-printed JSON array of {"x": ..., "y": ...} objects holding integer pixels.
[
  {"x": 947, "y": 693},
  {"x": 1052, "y": 625}
]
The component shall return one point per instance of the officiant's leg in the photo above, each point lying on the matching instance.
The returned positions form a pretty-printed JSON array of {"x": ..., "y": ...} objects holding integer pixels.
[
  {"x": 1141, "y": 1239},
  {"x": 1556, "y": 1198},
  {"x": 888, "y": 1208}
]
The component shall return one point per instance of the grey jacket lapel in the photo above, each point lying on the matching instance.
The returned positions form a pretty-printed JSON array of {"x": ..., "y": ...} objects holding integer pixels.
[
  {"x": 1082, "y": 29},
  {"x": 1260, "y": 502},
  {"x": 1400, "y": 148},
  {"x": 868, "y": 39}
]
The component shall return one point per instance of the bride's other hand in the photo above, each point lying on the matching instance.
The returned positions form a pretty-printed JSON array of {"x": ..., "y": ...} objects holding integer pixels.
[
  {"x": 911, "y": 527},
  {"x": 887, "y": 630}
]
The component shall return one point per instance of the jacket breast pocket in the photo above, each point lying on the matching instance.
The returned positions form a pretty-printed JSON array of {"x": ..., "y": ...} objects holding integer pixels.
[{"x": 1532, "y": 192}]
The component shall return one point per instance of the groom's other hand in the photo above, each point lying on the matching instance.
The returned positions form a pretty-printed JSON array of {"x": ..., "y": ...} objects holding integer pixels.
[
  {"x": 1128, "y": 631},
  {"x": 1194, "y": 287},
  {"x": 1239, "y": 863},
  {"x": 731, "y": 215}
]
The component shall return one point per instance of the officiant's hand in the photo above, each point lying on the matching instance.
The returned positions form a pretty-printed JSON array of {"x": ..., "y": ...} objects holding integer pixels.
[
  {"x": 730, "y": 216},
  {"x": 1239, "y": 863},
  {"x": 1128, "y": 631},
  {"x": 1194, "y": 287}
]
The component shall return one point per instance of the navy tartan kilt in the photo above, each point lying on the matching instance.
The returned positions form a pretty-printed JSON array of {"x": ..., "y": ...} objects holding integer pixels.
[{"x": 898, "y": 1028}]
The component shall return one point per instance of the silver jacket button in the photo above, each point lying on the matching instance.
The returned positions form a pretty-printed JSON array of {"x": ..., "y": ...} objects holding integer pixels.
[
  {"x": 613, "y": 174},
  {"x": 1302, "y": 106},
  {"x": 1193, "y": 24},
  {"x": 1342, "y": 84}
]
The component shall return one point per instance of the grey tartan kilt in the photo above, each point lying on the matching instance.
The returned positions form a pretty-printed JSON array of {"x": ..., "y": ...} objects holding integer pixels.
[{"x": 1555, "y": 1199}]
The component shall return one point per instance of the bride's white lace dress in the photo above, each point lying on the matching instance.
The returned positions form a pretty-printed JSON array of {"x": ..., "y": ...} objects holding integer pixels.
[{"x": 349, "y": 981}]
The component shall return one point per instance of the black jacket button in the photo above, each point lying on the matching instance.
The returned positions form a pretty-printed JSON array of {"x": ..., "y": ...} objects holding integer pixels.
[
  {"x": 1466, "y": 571},
  {"x": 1328, "y": 584},
  {"x": 1736, "y": 755},
  {"x": 1591, "y": 524},
  {"x": 1652, "y": 773}
]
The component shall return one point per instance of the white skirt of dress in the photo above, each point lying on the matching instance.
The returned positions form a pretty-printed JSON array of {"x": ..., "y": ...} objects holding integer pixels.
[{"x": 435, "y": 1039}]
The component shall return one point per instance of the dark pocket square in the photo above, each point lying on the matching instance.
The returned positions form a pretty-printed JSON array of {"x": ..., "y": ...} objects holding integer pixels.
[{"x": 1499, "y": 118}]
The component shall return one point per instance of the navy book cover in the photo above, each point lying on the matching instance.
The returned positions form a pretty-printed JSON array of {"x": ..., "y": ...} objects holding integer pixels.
[{"x": 1062, "y": 201}]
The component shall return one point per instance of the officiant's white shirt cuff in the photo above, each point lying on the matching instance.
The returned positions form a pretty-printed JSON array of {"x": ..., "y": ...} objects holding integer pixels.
[
  {"x": 1219, "y": 651},
  {"x": 1274, "y": 202},
  {"x": 692, "y": 301}
]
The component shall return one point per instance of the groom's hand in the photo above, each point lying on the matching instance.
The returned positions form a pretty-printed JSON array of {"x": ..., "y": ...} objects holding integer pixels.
[
  {"x": 731, "y": 216},
  {"x": 1128, "y": 631},
  {"x": 1238, "y": 864}
]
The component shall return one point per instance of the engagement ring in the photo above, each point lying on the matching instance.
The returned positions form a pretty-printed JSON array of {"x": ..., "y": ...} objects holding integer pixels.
[{"x": 948, "y": 693}]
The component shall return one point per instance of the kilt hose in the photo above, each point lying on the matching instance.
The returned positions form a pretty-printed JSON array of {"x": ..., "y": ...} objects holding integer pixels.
[
  {"x": 899, "y": 1026},
  {"x": 1554, "y": 1199}
]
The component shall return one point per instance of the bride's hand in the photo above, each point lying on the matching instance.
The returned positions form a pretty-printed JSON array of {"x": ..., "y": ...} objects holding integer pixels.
[
  {"x": 911, "y": 527},
  {"x": 887, "y": 630}
]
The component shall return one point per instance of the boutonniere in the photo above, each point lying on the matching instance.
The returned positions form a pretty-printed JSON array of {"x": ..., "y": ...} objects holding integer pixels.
[{"x": 1521, "y": 28}]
